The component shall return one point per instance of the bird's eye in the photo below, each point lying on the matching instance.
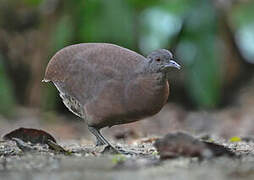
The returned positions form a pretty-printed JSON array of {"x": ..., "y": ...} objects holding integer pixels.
[{"x": 158, "y": 60}]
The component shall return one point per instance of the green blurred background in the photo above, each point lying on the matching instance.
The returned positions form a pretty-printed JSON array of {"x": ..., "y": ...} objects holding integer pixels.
[{"x": 212, "y": 39}]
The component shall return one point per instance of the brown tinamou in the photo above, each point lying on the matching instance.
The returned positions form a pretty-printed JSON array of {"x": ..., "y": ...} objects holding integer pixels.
[{"x": 106, "y": 84}]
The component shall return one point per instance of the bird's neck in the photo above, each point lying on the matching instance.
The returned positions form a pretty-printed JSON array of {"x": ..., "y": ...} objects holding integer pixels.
[{"x": 158, "y": 77}]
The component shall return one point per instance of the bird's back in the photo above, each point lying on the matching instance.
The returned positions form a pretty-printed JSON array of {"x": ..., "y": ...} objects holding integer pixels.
[{"x": 98, "y": 55}]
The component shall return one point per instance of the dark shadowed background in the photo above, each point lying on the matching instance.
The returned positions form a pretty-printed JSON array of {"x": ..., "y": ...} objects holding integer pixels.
[{"x": 212, "y": 40}]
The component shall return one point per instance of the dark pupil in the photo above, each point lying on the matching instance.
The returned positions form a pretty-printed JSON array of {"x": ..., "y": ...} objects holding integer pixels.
[{"x": 158, "y": 59}]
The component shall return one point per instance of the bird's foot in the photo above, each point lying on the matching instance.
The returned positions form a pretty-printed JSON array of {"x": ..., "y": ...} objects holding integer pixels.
[
  {"x": 110, "y": 149},
  {"x": 117, "y": 150}
]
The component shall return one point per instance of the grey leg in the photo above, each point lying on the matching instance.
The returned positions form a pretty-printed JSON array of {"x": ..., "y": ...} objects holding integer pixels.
[
  {"x": 100, "y": 138},
  {"x": 101, "y": 141}
]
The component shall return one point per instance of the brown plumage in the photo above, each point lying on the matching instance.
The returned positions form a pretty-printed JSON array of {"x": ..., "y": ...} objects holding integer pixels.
[{"x": 106, "y": 84}]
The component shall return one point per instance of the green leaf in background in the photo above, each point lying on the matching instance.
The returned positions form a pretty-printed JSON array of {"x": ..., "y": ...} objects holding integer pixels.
[
  {"x": 63, "y": 34},
  {"x": 178, "y": 7},
  {"x": 106, "y": 21},
  {"x": 197, "y": 49},
  {"x": 32, "y": 2},
  {"x": 141, "y": 4},
  {"x": 7, "y": 100},
  {"x": 243, "y": 13},
  {"x": 242, "y": 20},
  {"x": 157, "y": 34}
]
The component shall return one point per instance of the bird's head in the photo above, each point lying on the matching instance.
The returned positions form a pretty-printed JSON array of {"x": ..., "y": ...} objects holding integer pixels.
[{"x": 161, "y": 60}]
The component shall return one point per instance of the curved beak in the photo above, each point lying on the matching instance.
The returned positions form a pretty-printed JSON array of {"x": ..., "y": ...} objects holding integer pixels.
[{"x": 173, "y": 64}]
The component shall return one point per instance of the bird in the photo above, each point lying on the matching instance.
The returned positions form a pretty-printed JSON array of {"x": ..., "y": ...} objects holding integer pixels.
[{"x": 106, "y": 84}]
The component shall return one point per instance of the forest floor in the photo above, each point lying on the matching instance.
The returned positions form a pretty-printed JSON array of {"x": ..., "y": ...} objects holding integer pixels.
[
  {"x": 82, "y": 160},
  {"x": 86, "y": 162}
]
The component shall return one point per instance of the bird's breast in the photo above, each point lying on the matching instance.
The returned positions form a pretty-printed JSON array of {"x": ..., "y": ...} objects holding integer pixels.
[{"x": 146, "y": 95}]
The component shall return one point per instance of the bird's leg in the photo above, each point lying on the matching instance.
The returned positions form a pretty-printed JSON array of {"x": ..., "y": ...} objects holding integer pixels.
[
  {"x": 99, "y": 142},
  {"x": 102, "y": 141},
  {"x": 100, "y": 138}
]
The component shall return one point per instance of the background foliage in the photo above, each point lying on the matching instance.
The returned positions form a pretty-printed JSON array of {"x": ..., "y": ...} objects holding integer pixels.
[{"x": 213, "y": 40}]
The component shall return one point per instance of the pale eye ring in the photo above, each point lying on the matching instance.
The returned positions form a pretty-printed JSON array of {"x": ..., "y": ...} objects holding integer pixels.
[{"x": 158, "y": 59}]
